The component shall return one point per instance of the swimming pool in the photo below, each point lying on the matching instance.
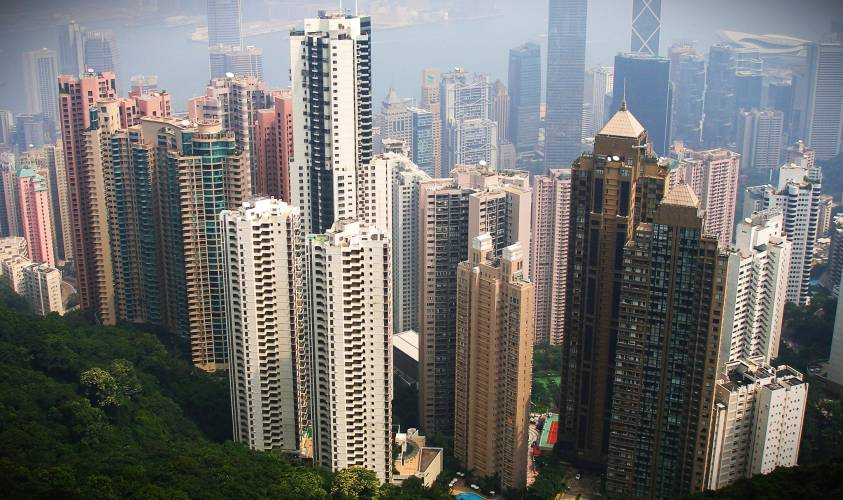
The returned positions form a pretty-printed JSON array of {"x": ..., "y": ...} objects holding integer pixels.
[{"x": 469, "y": 496}]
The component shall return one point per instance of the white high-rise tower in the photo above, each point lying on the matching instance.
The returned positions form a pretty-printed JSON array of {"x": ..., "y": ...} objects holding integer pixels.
[
  {"x": 331, "y": 85},
  {"x": 263, "y": 245},
  {"x": 349, "y": 272}
]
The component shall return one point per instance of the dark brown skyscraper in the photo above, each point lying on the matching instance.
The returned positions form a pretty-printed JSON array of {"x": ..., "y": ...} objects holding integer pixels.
[
  {"x": 666, "y": 356},
  {"x": 612, "y": 191}
]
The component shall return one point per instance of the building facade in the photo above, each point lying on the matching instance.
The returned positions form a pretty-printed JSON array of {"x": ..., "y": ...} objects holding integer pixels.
[
  {"x": 797, "y": 195},
  {"x": 525, "y": 86},
  {"x": 759, "y": 413},
  {"x": 493, "y": 363},
  {"x": 42, "y": 287},
  {"x": 759, "y": 139},
  {"x": 565, "y": 75},
  {"x": 339, "y": 101},
  {"x": 671, "y": 307},
  {"x": 265, "y": 308},
  {"x": 350, "y": 327},
  {"x": 756, "y": 289},
  {"x": 713, "y": 176},
  {"x": 612, "y": 191},
  {"x": 643, "y": 82},
  {"x": 40, "y": 73},
  {"x": 822, "y": 120}
]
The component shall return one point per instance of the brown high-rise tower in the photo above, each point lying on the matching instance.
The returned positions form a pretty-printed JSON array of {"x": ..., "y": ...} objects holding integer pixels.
[
  {"x": 612, "y": 191},
  {"x": 671, "y": 310},
  {"x": 493, "y": 362}
]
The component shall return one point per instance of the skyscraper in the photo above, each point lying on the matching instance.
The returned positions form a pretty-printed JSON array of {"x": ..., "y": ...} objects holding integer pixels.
[
  {"x": 406, "y": 189},
  {"x": 757, "y": 427},
  {"x": 525, "y": 87},
  {"x": 474, "y": 201},
  {"x": 265, "y": 297},
  {"x": 822, "y": 117},
  {"x": 101, "y": 51},
  {"x": 720, "y": 104},
  {"x": 644, "y": 82},
  {"x": 500, "y": 112},
  {"x": 71, "y": 49},
  {"x": 749, "y": 86},
  {"x": 756, "y": 289},
  {"x": 40, "y": 72},
  {"x": 565, "y": 70},
  {"x": 468, "y": 133},
  {"x": 549, "y": 266},
  {"x": 713, "y": 176},
  {"x": 612, "y": 191},
  {"x": 396, "y": 119},
  {"x": 36, "y": 221},
  {"x": 689, "y": 93},
  {"x": 430, "y": 101},
  {"x": 494, "y": 362},
  {"x": 600, "y": 79},
  {"x": 9, "y": 224},
  {"x": 85, "y": 185},
  {"x": 225, "y": 18},
  {"x": 333, "y": 136},
  {"x": 57, "y": 180},
  {"x": 646, "y": 25},
  {"x": 350, "y": 324},
  {"x": 199, "y": 173},
  {"x": 797, "y": 195},
  {"x": 422, "y": 143},
  {"x": 273, "y": 147},
  {"x": 759, "y": 139},
  {"x": 670, "y": 310}
]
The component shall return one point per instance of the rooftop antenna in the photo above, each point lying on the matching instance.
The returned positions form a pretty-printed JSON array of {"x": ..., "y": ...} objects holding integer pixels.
[{"x": 623, "y": 99}]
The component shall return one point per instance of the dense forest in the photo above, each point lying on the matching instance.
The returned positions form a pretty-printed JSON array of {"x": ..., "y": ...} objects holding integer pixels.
[{"x": 95, "y": 412}]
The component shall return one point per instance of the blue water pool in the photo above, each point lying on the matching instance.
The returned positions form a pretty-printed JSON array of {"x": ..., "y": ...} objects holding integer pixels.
[{"x": 469, "y": 496}]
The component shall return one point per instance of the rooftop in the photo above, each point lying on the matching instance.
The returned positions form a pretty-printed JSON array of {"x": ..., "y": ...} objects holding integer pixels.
[
  {"x": 623, "y": 124},
  {"x": 681, "y": 196}
]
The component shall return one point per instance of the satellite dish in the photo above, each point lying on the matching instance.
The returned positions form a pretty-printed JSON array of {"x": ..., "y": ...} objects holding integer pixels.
[
  {"x": 185, "y": 123},
  {"x": 482, "y": 163},
  {"x": 229, "y": 74},
  {"x": 616, "y": 158}
]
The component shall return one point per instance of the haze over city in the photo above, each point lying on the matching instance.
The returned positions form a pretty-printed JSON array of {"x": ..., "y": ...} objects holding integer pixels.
[{"x": 421, "y": 249}]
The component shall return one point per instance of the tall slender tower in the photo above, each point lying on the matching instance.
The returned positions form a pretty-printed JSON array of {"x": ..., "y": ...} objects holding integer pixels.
[
  {"x": 713, "y": 177},
  {"x": 40, "y": 70},
  {"x": 331, "y": 81},
  {"x": 689, "y": 69},
  {"x": 643, "y": 81},
  {"x": 225, "y": 18},
  {"x": 797, "y": 195},
  {"x": 822, "y": 118},
  {"x": 57, "y": 176},
  {"x": 756, "y": 289},
  {"x": 71, "y": 49},
  {"x": 273, "y": 148},
  {"x": 476, "y": 200},
  {"x": 720, "y": 104},
  {"x": 83, "y": 161},
  {"x": 349, "y": 282},
  {"x": 646, "y": 25},
  {"x": 101, "y": 51},
  {"x": 199, "y": 173},
  {"x": 494, "y": 362},
  {"x": 264, "y": 275},
  {"x": 430, "y": 101},
  {"x": 549, "y": 266},
  {"x": 670, "y": 311},
  {"x": 525, "y": 90},
  {"x": 612, "y": 191},
  {"x": 565, "y": 74}
]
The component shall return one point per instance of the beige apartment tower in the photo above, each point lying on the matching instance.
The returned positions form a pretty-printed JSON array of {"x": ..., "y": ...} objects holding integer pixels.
[{"x": 494, "y": 363}]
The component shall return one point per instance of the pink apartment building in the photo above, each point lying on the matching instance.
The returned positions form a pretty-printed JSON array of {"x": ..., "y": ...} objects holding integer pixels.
[
  {"x": 36, "y": 225},
  {"x": 549, "y": 267}
]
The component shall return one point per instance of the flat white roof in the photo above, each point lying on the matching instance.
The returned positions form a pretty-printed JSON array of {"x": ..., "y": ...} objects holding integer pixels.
[{"x": 408, "y": 343}]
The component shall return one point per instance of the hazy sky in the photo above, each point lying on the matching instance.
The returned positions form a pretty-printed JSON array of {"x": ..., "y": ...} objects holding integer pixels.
[{"x": 146, "y": 46}]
